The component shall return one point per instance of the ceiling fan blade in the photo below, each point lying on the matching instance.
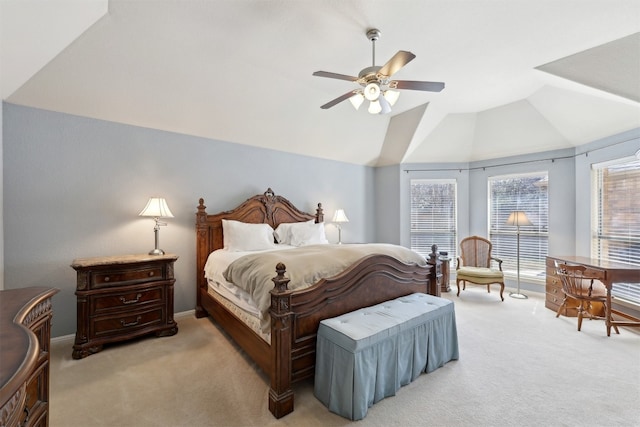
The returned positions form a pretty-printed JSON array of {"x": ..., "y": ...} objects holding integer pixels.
[
  {"x": 415, "y": 85},
  {"x": 337, "y": 100},
  {"x": 398, "y": 61},
  {"x": 335, "y": 76}
]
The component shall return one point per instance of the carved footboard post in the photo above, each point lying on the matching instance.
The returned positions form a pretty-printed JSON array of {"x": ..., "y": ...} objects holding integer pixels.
[
  {"x": 436, "y": 274},
  {"x": 280, "y": 393},
  {"x": 202, "y": 251}
]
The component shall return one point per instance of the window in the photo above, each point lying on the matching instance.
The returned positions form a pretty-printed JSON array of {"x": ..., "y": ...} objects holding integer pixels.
[
  {"x": 528, "y": 193},
  {"x": 616, "y": 219},
  {"x": 433, "y": 216}
]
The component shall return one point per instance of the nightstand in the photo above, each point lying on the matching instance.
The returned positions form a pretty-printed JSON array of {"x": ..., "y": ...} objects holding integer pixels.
[{"x": 122, "y": 297}]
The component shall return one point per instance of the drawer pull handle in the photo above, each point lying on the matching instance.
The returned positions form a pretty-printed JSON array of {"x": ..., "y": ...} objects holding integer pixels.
[
  {"x": 134, "y": 323},
  {"x": 131, "y": 301},
  {"x": 106, "y": 278},
  {"x": 151, "y": 273},
  {"x": 26, "y": 418}
]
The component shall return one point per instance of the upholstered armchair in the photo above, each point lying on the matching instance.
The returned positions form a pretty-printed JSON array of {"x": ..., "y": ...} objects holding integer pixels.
[{"x": 474, "y": 265}]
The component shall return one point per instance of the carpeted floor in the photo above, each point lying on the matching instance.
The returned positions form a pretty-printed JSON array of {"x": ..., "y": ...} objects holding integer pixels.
[{"x": 518, "y": 365}]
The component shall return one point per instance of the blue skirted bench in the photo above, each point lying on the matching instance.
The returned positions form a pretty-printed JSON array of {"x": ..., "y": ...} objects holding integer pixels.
[{"x": 368, "y": 354}]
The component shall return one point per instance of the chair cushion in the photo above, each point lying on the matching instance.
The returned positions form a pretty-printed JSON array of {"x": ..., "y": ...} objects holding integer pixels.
[
  {"x": 478, "y": 274},
  {"x": 599, "y": 289}
]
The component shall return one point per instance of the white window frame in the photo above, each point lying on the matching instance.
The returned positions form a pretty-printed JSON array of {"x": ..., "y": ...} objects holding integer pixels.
[
  {"x": 534, "y": 239},
  {"x": 615, "y": 221},
  {"x": 445, "y": 223}
]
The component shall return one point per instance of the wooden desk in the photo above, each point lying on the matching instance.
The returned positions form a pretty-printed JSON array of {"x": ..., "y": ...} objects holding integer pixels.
[{"x": 614, "y": 272}]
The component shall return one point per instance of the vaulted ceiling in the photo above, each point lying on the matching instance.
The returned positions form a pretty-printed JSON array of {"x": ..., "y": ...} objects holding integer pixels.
[{"x": 521, "y": 76}]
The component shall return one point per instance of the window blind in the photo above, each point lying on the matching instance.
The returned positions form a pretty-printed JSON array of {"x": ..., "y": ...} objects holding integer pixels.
[
  {"x": 433, "y": 216},
  {"x": 616, "y": 218},
  {"x": 528, "y": 193}
]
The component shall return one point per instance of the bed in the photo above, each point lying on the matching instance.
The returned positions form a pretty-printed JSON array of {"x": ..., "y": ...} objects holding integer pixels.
[{"x": 287, "y": 354}]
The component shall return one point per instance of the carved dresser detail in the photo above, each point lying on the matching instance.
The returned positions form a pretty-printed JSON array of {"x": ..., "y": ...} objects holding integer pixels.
[{"x": 25, "y": 336}]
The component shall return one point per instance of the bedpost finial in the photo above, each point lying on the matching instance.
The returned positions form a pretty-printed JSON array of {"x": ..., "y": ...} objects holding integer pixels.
[
  {"x": 280, "y": 269},
  {"x": 280, "y": 281},
  {"x": 201, "y": 215},
  {"x": 319, "y": 214}
]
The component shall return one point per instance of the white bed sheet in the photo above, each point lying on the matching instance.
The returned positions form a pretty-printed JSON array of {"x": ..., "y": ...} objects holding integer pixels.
[{"x": 217, "y": 263}]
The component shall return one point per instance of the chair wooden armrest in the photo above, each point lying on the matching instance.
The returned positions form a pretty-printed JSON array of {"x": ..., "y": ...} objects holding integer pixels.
[
  {"x": 458, "y": 263},
  {"x": 498, "y": 260}
]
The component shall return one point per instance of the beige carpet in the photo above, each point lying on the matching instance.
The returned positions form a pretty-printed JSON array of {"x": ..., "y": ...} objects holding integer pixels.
[{"x": 519, "y": 365}]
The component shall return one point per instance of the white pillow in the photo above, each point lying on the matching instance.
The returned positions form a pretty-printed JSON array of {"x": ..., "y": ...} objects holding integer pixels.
[
  {"x": 283, "y": 231},
  {"x": 242, "y": 236},
  {"x": 308, "y": 234}
]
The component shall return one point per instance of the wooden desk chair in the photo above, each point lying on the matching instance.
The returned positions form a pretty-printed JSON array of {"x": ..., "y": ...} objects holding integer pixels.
[
  {"x": 474, "y": 265},
  {"x": 585, "y": 286}
]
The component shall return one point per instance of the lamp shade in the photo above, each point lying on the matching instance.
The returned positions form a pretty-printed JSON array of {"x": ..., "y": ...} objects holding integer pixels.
[
  {"x": 518, "y": 218},
  {"x": 340, "y": 216},
  {"x": 357, "y": 100},
  {"x": 391, "y": 96},
  {"x": 374, "y": 107},
  {"x": 156, "y": 207}
]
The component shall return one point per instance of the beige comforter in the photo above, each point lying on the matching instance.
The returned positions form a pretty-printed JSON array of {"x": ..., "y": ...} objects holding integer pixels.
[{"x": 305, "y": 266}]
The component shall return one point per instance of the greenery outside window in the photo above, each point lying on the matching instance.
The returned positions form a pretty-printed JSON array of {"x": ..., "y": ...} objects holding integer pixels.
[
  {"x": 434, "y": 216},
  {"x": 616, "y": 218},
  {"x": 528, "y": 193}
]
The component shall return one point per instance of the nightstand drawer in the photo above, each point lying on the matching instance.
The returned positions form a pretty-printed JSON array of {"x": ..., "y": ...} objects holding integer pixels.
[
  {"x": 132, "y": 299},
  {"x": 126, "y": 322},
  {"x": 101, "y": 279}
]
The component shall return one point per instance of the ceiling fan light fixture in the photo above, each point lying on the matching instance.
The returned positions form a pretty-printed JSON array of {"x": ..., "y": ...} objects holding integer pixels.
[
  {"x": 357, "y": 100},
  {"x": 391, "y": 96},
  {"x": 385, "y": 108},
  {"x": 375, "y": 107},
  {"x": 372, "y": 91}
]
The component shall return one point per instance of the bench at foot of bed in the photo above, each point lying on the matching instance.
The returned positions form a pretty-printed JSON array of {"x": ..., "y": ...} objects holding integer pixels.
[{"x": 368, "y": 354}]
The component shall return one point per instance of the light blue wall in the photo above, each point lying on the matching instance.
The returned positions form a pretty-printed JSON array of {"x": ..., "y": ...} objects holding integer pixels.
[
  {"x": 73, "y": 188},
  {"x": 387, "y": 200}
]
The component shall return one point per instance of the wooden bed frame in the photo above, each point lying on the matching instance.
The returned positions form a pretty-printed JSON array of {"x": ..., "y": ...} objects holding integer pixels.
[{"x": 295, "y": 315}]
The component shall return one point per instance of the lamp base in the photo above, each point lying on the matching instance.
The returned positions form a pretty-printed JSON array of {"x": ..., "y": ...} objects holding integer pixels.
[
  {"x": 518, "y": 295},
  {"x": 156, "y": 252}
]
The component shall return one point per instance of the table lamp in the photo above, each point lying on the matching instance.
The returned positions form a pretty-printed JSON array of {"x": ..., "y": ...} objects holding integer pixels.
[
  {"x": 157, "y": 208},
  {"x": 339, "y": 217}
]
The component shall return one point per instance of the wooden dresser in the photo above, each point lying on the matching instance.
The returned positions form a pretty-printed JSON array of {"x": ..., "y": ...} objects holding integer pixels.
[
  {"x": 122, "y": 297},
  {"x": 25, "y": 332}
]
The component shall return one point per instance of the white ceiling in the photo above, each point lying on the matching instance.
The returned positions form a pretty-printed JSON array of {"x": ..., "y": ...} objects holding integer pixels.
[{"x": 521, "y": 76}]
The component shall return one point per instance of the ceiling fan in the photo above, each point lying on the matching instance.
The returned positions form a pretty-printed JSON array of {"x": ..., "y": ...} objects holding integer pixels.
[{"x": 377, "y": 86}]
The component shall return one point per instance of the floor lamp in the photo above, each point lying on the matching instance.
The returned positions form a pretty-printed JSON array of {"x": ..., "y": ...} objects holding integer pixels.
[{"x": 518, "y": 218}]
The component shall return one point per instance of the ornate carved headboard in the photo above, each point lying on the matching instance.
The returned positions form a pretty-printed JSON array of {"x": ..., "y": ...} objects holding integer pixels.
[{"x": 264, "y": 208}]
